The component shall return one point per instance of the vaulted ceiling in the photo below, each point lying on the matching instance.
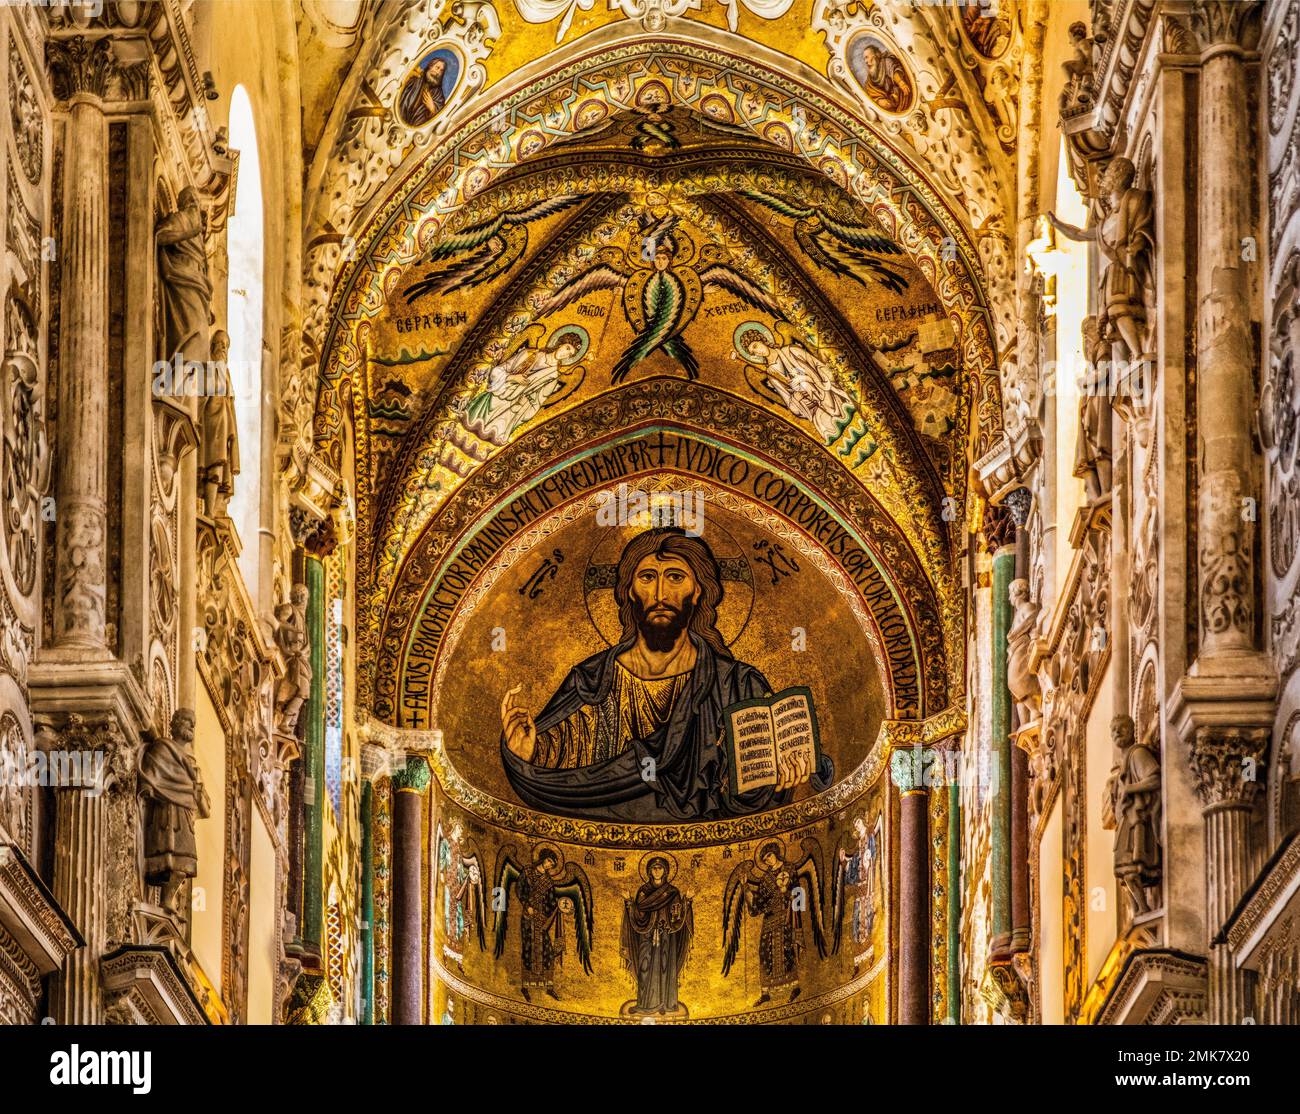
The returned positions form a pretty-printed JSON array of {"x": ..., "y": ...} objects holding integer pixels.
[{"x": 507, "y": 232}]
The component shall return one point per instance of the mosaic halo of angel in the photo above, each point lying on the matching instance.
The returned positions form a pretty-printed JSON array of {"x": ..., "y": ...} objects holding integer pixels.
[
  {"x": 547, "y": 892},
  {"x": 663, "y": 285},
  {"x": 842, "y": 247},
  {"x": 460, "y": 874},
  {"x": 783, "y": 895},
  {"x": 516, "y": 389},
  {"x": 794, "y": 377},
  {"x": 486, "y": 250}
]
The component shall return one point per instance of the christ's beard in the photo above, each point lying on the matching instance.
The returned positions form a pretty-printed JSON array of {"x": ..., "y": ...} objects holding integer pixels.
[{"x": 662, "y": 629}]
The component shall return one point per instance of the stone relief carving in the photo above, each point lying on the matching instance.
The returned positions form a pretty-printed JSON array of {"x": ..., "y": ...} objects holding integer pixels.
[
  {"x": 25, "y": 117},
  {"x": 186, "y": 287},
  {"x": 294, "y": 687},
  {"x": 173, "y": 789},
  {"x": 1131, "y": 809},
  {"x": 1022, "y": 677},
  {"x": 1092, "y": 452},
  {"x": 26, "y": 470},
  {"x": 220, "y": 441},
  {"x": 1080, "y": 71},
  {"x": 1123, "y": 224}
]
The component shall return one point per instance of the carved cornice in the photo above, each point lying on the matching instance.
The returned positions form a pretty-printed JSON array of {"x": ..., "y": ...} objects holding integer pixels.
[
  {"x": 149, "y": 978},
  {"x": 1265, "y": 906},
  {"x": 31, "y": 916},
  {"x": 1158, "y": 987}
]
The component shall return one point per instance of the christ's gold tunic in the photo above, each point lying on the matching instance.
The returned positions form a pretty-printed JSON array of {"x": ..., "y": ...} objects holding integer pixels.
[{"x": 634, "y": 708}]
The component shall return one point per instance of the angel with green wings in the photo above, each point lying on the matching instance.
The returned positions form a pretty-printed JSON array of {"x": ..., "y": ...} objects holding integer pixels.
[
  {"x": 842, "y": 247},
  {"x": 783, "y": 894},
  {"x": 547, "y": 892},
  {"x": 486, "y": 250},
  {"x": 662, "y": 288}
]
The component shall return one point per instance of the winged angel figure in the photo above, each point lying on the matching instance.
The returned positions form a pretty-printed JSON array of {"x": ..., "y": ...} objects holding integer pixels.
[
  {"x": 662, "y": 287},
  {"x": 460, "y": 872},
  {"x": 841, "y": 247},
  {"x": 782, "y": 894},
  {"x": 548, "y": 891},
  {"x": 486, "y": 250}
]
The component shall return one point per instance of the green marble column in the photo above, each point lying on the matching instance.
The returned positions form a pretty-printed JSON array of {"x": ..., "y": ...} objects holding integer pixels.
[
  {"x": 954, "y": 900},
  {"x": 1004, "y": 571},
  {"x": 313, "y": 902},
  {"x": 367, "y": 911}
]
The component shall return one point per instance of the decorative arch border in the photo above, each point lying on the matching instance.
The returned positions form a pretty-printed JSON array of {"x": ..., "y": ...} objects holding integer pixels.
[
  {"x": 547, "y": 108},
  {"x": 898, "y": 574}
]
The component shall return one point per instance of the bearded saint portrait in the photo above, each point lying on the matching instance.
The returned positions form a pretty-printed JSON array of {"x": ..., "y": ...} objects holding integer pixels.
[{"x": 636, "y": 732}]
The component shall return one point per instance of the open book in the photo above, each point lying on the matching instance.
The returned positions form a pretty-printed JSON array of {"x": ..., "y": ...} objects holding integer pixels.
[{"x": 767, "y": 731}]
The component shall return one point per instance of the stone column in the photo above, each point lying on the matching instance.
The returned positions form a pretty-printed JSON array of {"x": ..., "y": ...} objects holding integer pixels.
[
  {"x": 1228, "y": 764},
  {"x": 1018, "y": 503},
  {"x": 86, "y": 762},
  {"x": 1225, "y": 356},
  {"x": 367, "y": 943},
  {"x": 1000, "y": 930},
  {"x": 80, "y": 70},
  {"x": 907, "y": 767},
  {"x": 406, "y": 997}
]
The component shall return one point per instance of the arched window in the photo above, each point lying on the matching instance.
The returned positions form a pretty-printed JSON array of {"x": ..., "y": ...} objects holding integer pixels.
[{"x": 244, "y": 323}]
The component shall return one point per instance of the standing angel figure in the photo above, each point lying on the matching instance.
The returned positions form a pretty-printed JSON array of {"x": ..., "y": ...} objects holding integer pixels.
[
  {"x": 460, "y": 874},
  {"x": 805, "y": 385},
  {"x": 547, "y": 893},
  {"x": 780, "y": 893}
]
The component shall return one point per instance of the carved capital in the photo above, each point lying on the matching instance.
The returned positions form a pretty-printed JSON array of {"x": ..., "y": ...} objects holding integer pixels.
[
  {"x": 1018, "y": 503},
  {"x": 113, "y": 69},
  {"x": 80, "y": 65},
  {"x": 415, "y": 776},
  {"x": 1224, "y": 22},
  {"x": 1228, "y": 763},
  {"x": 88, "y": 755}
]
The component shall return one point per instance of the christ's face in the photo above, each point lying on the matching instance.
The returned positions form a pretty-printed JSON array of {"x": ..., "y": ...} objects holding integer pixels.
[{"x": 664, "y": 594}]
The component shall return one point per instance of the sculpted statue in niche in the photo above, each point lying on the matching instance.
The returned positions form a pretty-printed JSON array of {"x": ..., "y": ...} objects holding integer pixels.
[
  {"x": 1132, "y": 810},
  {"x": 1022, "y": 678},
  {"x": 170, "y": 783},
  {"x": 186, "y": 287},
  {"x": 294, "y": 687},
  {"x": 1092, "y": 450},
  {"x": 220, "y": 460},
  {"x": 1123, "y": 226}
]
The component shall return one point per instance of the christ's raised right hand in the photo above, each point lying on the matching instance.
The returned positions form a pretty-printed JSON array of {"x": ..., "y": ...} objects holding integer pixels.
[{"x": 519, "y": 728}]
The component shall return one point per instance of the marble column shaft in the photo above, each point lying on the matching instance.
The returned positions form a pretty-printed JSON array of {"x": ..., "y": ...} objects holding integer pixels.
[
  {"x": 1225, "y": 356},
  {"x": 1000, "y": 929},
  {"x": 914, "y": 908},
  {"x": 81, "y": 502}
]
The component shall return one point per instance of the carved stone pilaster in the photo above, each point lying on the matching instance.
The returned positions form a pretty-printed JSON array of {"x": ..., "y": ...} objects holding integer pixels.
[{"x": 91, "y": 764}]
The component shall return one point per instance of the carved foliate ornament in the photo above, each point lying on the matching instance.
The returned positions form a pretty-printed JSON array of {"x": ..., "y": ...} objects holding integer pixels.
[{"x": 1229, "y": 765}]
